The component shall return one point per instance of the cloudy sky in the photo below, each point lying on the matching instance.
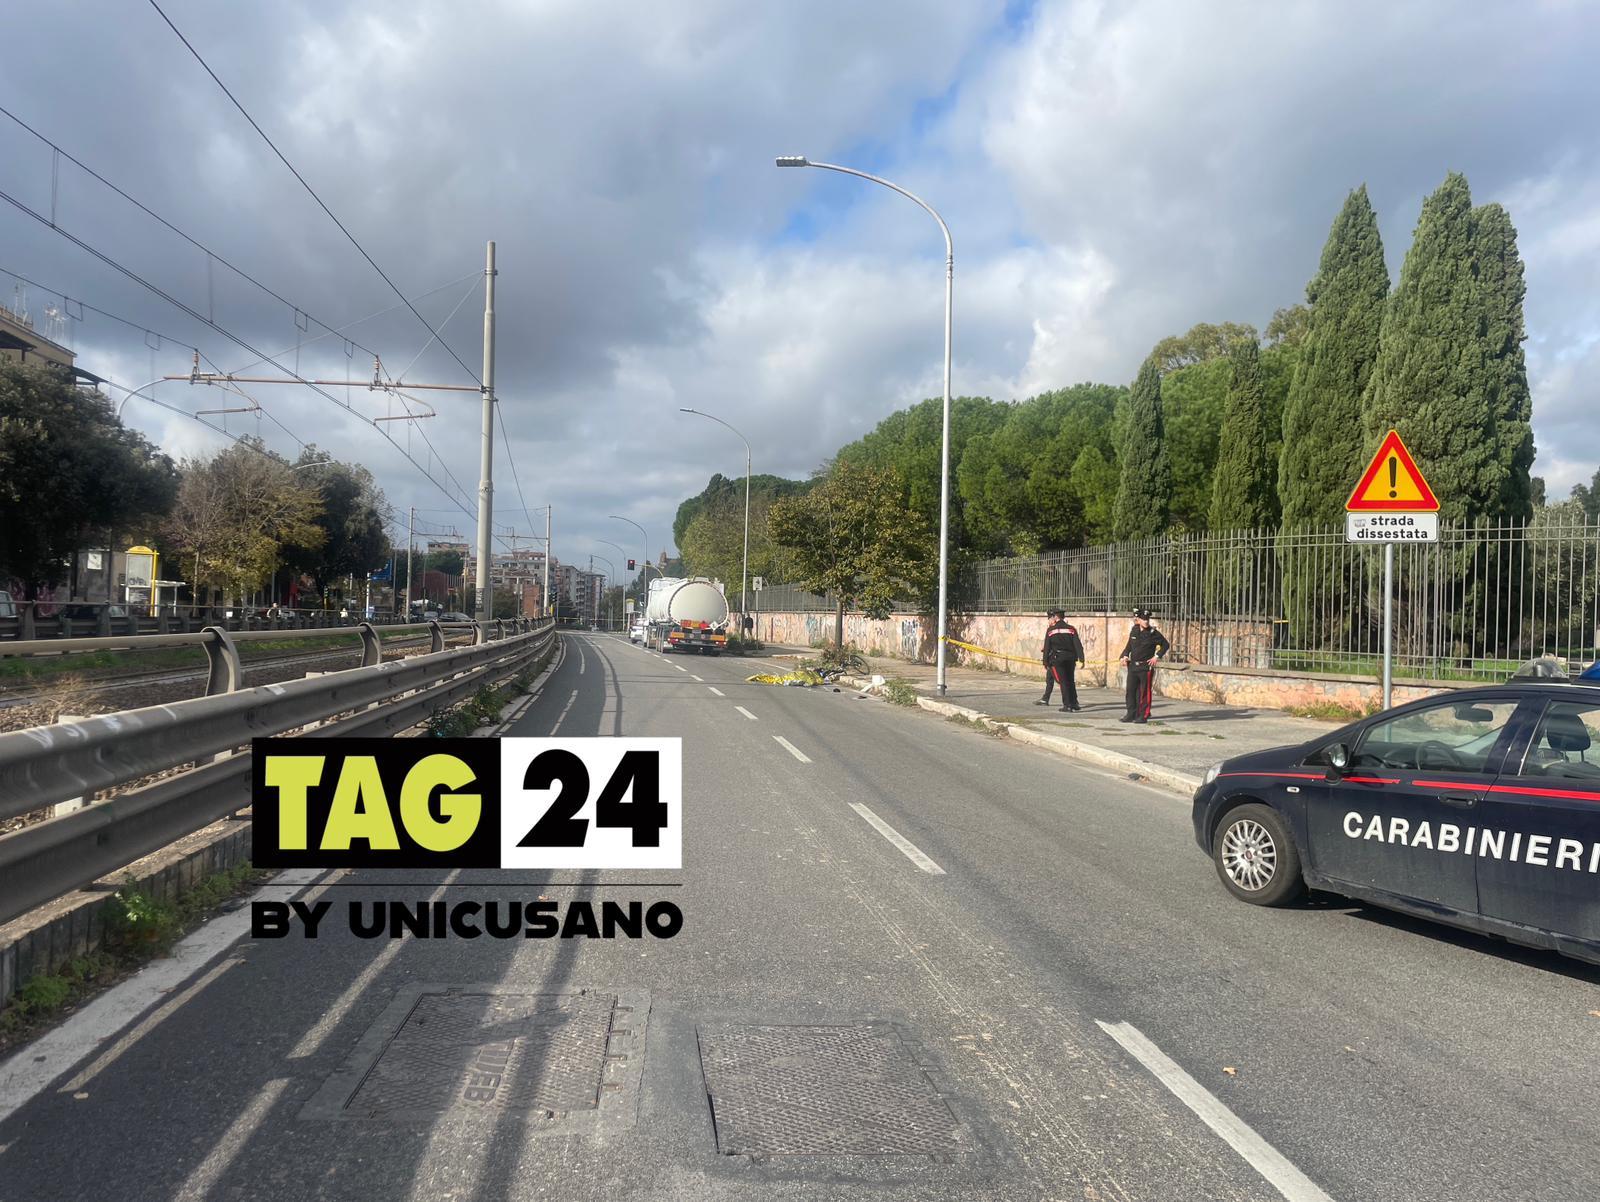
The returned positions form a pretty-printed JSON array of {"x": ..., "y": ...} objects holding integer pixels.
[{"x": 1111, "y": 173}]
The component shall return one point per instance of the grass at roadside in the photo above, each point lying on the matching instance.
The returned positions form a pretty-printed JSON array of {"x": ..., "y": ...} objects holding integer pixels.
[
  {"x": 899, "y": 692},
  {"x": 140, "y": 928},
  {"x": 1333, "y": 711}
]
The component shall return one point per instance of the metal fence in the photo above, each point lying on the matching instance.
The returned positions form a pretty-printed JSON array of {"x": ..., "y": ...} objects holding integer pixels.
[{"x": 1472, "y": 606}]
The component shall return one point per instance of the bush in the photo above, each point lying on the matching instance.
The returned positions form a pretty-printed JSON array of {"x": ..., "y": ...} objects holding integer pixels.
[
  {"x": 898, "y": 692},
  {"x": 830, "y": 656}
]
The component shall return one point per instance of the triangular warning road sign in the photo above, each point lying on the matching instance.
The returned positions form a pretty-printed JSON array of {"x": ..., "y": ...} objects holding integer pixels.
[{"x": 1393, "y": 483}]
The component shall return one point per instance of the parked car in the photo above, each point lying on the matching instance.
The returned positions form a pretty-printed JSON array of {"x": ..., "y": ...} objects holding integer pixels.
[
  {"x": 1480, "y": 809},
  {"x": 455, "y": 615}
]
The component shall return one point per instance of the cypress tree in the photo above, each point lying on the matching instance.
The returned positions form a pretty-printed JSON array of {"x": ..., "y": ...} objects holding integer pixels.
[
  {"x": 1431, "y": 381},
  {"x": 1144, "y": 490},
  {"x": 1242, "y": 493},
  {"x": 1500, "y": 293},
  {"x": 1322, "y": 452}
]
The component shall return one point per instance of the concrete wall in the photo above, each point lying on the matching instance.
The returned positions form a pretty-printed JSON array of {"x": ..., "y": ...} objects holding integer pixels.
[{"x": 1021, "y": 635}]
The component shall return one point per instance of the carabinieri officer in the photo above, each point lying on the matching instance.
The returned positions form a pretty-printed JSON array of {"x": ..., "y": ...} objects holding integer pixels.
[{"x": 1144, "y": 647}]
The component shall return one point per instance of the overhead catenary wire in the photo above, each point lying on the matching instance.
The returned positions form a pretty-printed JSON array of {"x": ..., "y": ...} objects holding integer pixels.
[
  {"x": 465, "y": 506},
  {"x": 311, "y": 191},
  {"x": 162, "y": 221}
]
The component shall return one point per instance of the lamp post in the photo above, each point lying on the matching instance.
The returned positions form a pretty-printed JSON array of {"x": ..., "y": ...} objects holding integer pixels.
[
  {"x": 613, "y": 576},
  {"x": 745, "y": 571},
  {"x": 944, "y": 453},
  {"x": 605, "y": 542},
  {"x": 646, "y": 560}
]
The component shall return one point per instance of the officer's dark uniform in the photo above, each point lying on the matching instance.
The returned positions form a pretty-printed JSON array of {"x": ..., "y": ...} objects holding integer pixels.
[
  {"x": 1063, "y": 652},
  {"x": 1144, "y": 644},
  {"x": 1055, "y": 616}
]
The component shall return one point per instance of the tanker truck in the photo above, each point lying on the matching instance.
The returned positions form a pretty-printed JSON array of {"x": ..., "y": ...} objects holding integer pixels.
[{"x": 682, "y": 615}]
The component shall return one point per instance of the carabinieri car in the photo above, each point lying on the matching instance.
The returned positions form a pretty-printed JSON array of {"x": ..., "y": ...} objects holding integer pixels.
[{"x": 1480, "y": 809}]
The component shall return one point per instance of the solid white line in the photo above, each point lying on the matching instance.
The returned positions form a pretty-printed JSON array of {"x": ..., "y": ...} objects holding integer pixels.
[
  {"x": 1261, "y": 1156},
  {"x": 912, "y": 852},
  {"x": 716, "y": 690},
  {"x": 107, "y": 1057},
  {"x": 334, "y": 1014},
  {"x": 746, "y": 713},
  {"x": 209, "y": 1171},
  {"x": 793, "y": 750},
  {"x": 36, "y": 1065},
  {"x": 583, "y": 660}
]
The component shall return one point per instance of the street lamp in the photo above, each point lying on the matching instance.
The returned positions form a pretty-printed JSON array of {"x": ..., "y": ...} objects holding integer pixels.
[
  {"x": 613, "y": 576},
  {"x": 745, "y": 571},
  {"x": 608, "y": 543},
  {"x": 641, "y": 530},
  {"x": 799, "y": 160}
]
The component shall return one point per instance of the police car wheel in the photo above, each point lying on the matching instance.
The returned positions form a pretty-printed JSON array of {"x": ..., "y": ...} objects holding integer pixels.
[{"x": 1256, "y": 857}]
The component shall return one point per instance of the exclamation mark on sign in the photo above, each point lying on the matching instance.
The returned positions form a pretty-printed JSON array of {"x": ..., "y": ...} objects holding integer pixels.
[{"x": 1394, "y": 467}]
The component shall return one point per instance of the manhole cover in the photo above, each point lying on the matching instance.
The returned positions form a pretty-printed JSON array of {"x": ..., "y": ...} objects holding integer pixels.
[
  {"x": 852, "y": 1090},
  {"x": 442, "y": 1051}
]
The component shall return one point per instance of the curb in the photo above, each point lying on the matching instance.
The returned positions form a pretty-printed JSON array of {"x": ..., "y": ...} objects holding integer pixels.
[{"x": 1178, "y": 782}]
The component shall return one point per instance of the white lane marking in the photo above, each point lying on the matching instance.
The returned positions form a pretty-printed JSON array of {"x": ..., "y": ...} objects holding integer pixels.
[
  {"x": 583, "y": 660},
  {"x": 912, "y": 852},
  {"x": 692, "y": 676},
  {"x": 793, "y": 750},
  {"x": 564, "y": 709},
  {"x": 746, "y": 713},
  {"x": 36, "y": 1065},
  {"x": 680, "y": 667},
  {"x": 1261, "y": 1156},
  {"x": 226, "y": 1150},
  {"x": 110, "y": 1055},
  {"x": 334, "y": 1014},
  {"x": 716, "y": 690}
]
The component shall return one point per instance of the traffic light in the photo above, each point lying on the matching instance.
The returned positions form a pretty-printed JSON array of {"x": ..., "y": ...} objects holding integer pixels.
[{"x": 630, "y": 565}]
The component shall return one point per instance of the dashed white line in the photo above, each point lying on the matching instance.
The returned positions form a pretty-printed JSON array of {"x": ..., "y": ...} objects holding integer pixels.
[
  {"x": 1289, "y": 1181},
  {"x": 564, "y": 710},
  {"x": 692, "y": 676},
  {"x": 583, "y": 660},
  {"x": 911, "y": 851},
  {"x": 746, "y": 713},
  {"x": 714, "y": 689},
  {"x": 792, "y": 749},
  {"x": 226, "y": 1150}
]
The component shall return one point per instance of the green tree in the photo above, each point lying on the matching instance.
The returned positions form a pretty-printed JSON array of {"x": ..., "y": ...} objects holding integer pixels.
[
  {"x": 1323, "y": 442},
  {"x": 71, "y": 475},
  {"x": 1016, "y": 481},
  {"x": 351, "y": 539},
  {"x": 1431, "y": 381},
  {"x": 722, "y": 491},
  {"x": 1588, "y": 496},
  {"x": 1144, "y": 489},
  {"x": 1199, "y": 344},
  {"x": 1243, "y": 494},
  {"x": 1192, "y": 402},
  {"x": 1289, "y": 326},
  {"x": 234, "y": 514},
  {"x": 1501, "y": 290},
  {"x": 854, "y": 536},
  {"x": 1094, "y": 479}
]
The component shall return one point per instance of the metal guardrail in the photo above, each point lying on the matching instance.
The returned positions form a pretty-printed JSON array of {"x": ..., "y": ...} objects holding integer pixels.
[
  {"x": 28, "y": 623},
  {"x": 50, "y": 764}
]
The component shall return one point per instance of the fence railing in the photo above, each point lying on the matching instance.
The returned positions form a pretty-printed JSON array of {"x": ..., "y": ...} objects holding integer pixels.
[
  {"x": 1472, "y": 606},
  {"x": 48, "y": 765}
]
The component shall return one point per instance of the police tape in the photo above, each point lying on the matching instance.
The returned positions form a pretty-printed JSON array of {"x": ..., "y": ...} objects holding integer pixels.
[{"x": 985, "y": 651}]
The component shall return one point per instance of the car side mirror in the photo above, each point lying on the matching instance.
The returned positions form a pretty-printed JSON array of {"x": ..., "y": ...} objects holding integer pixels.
[{"x": 1338, "y": 758}]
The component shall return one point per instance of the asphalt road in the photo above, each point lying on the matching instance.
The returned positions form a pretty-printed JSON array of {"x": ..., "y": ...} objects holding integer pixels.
[{"x": 1003, "y": 914}]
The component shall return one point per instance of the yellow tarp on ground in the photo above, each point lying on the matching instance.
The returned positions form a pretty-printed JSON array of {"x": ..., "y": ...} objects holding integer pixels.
[{"x": 803, "y": 677}]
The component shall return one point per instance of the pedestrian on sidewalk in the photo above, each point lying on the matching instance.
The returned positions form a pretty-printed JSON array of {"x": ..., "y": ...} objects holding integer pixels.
[
  {"x": 1145, "y": 646},
  {"x": 1054, "y": 616},
  {"x": 1063, "y": 652}
]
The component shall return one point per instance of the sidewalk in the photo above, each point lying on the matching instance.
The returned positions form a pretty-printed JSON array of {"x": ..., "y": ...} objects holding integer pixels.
[{"x": 1181, "y": 740}]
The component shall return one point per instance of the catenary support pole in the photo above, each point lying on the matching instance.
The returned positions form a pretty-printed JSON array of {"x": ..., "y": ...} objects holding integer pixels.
[
  {"x": 411, "y": 541},
  {"x": 547, "y": 517},
  {"x": 484, "y": 608}
]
